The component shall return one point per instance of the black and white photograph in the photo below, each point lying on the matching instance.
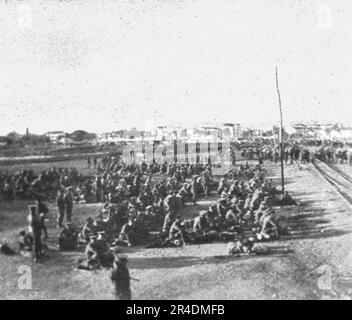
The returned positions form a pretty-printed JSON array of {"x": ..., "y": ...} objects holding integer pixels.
[{"x": 189, "y": 150}]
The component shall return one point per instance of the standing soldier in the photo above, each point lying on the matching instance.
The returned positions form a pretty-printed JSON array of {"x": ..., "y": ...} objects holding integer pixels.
[
  {"x": 120, "y": 276},
  {"x": 42, "y": 210},
  {"x": 233, "y": 156},
  {"x": 68, "y": 204},
  {"x": 194, "y": 189},
  {"x": 88, "y": 160},
  {"x": 35, "y": 227},
  {"x": 60, "y": 202}
]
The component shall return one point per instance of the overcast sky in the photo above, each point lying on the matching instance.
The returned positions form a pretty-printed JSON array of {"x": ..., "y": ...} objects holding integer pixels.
[{"x": 106, "y": 65}]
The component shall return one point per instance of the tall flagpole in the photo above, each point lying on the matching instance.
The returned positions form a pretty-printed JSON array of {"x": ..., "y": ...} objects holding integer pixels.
[{"x": 280, "y": 135}]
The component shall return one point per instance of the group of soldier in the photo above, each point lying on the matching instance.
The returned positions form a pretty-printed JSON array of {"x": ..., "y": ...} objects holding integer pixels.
[
  {"x": 25, "y": 184},
  {"x": 293, "y": 152},
  {"x": 144, "y": 204},
  {"x": 138, "y": 211}
]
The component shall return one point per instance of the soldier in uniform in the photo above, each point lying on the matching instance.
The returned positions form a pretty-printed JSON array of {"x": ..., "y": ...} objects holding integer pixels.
[
  {"x": 60, "y": 202},
  {"x": 25, "y": 241},
  {"x": 87, "y": 231},
  {"x": 269, "y": 227},
  {"x": 170, "y": 202},
  {"x": 120, "y": 276},
  {"x": 68, "y": 204},
  {"x": 200, "y": 225},
  {"x": 91, "y": 252},
  {"x": 42, "y": 210},
  {"x": 36, "y": 229},
  {"x": 168, "y": 220},
  {"x": 176, "y": 231},
  {"x": 125, "y": 233},
  {"x": 194, "y": 189},
  {"x": 68, "y": 237}
]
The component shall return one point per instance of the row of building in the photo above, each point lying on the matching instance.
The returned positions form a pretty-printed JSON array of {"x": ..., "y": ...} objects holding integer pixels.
[
  {"x": 228, "y": 131},
  {"x": 212, "y": 133},
  {"x": 328, "y": 131}
]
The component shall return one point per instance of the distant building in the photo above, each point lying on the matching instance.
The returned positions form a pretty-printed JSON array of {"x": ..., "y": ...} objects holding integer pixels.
[
  {"x": 161, "y": 133},
  {"x": 204, "y": 134},
  {"x": 231, "y": 131},
  {"x": 55, "y": 136}
]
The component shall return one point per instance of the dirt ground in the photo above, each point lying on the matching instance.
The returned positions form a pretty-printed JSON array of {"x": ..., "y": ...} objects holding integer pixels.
[{"x": 312, "y": 262}]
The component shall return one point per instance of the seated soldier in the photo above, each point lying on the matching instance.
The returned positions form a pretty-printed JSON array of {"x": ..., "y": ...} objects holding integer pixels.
[
  {"x": 6, "y": 249},
  {"x": 150, "y": 215},
  {"x": 125, "y": 233},
  {"x": 221, "y": 207},
  {"x": 200, "y": 225},
  {"x": 87, "y": 231},
  {"x": 25, "y": 241},
  {"x": 168, "y": 220},
  {"x": 176, "y": 232},
  {"x": 224, "y": 194},
  {"x": 248, "y": 216},
  {"x": 92, "y": 262},
  {"x": 248, "y": 201},
  {"x": 241, "y": 246},
  {"x": 259, "y": 212},
  {"x": 183, "y": 193},
  {"x": 170, "y": 202},
  {"x": 269, "y": 229},
  {"x": 68, "y": 237},
  {"x": 99, "y": 224},
  {"x": 104, "y": 254},
  {"x": 222, "y": 186},
  {"x": 141, "y": 224},
  {"x": 212, "y": 217},
  {"x": 231, "y": 218}
]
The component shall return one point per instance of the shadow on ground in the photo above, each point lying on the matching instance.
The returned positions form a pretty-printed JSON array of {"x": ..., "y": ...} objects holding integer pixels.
[{"x": 310, "y": 220}]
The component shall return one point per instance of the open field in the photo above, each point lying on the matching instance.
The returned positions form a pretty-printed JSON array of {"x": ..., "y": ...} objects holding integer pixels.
[{"x": 319, "y": 239}]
